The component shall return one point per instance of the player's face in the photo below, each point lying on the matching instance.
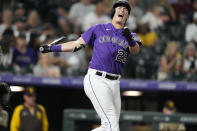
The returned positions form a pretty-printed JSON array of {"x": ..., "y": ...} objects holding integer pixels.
[
  {"x": 30, "y": 100},
  {"x": 168, "y": 112},
  {"x": 121, "y": 14}
]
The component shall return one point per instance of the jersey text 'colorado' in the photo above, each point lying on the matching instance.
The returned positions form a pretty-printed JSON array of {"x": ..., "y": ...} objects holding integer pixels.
[{"x": 110, "y": 47}]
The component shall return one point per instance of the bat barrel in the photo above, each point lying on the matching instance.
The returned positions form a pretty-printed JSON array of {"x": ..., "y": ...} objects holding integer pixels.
[{"x": 59, "y": 40}]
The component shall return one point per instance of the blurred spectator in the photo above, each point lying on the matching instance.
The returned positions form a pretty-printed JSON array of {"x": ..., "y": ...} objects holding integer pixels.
[
  {"x": 33, "y": 22},
  {"x": 181, "y": 9},
  {"x": 63, "y": 20},
  {"x": 19, "y": 10},
  {"x": 47, "y": 31},
  {"x": 145, "y": 5},
  {"x": 34, "y": 41},
  {"x": 29, "y": 116},
  {"x": 106, "y": 7},
  {"x": 95, "y": 17},
  {"x": 1, "y": 5},
  {"x": 170, "y": 61},
  {"x": 45, "y": 68},
  {"x": 169, "y": 109},
  {"x": 191, "y": 31},
  {"x": 55, "y": 58},
  {"x": 6, "y": 20},
  {"x": 8, "y": 31},
  {"x": 19, "y": 27},
  {"x": 23, "y": 57},
  {"x": 189, "y": 65},
  {"x": 131, "y": 23},
  {"x": 167, "y": 12},
  {"x": 65, "y": 26},
  {"x": 62, "y": 11},
  {"x": 152, "y": 18},
  {"x": 6, "y": 43},
  {"x": 191, "y": 13},
  {"x": 83, "y": 13},
  {"x": 72, "y": 64},
  {"x": 76, "y": 62},
  {"x": 172, "y": 1},
  {"x": 3, "y": 119},
  {"x": 7, "y": 52},
  {"x": 79, "y": 10},
  {"x": 149, "y": 38},
  {"x": 136, "y": 11}
]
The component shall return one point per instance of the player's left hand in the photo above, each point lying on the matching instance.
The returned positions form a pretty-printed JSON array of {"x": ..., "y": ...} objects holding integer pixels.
[{"x": 127, "y": 34}]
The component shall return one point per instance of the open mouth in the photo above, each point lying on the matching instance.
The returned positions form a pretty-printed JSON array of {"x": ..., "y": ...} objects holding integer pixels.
[{"x": 120, "y": 15}]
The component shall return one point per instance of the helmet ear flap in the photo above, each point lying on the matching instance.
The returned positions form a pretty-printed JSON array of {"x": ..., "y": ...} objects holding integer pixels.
[{"x": 112, "y": 13}]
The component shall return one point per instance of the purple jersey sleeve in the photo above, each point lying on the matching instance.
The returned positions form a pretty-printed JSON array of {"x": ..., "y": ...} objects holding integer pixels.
[
  {"x": 137, "y": 39},
  {"x": 89, "y": 35}
]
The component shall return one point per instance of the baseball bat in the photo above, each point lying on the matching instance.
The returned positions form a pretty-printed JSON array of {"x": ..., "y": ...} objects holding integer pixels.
[{"x": 55, "y": 42}]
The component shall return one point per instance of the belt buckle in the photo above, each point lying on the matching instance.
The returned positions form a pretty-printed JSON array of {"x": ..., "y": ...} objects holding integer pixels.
[{"x": 104, "y": 74}]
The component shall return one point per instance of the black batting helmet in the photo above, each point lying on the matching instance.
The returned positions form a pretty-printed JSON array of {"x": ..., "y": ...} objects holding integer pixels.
[
  {"x": 5, "y": 93},
  {"x": 124, "y": 3}
]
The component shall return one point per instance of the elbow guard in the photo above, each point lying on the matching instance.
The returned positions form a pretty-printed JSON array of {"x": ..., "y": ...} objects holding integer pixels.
[{"x": 77, "y": 48}]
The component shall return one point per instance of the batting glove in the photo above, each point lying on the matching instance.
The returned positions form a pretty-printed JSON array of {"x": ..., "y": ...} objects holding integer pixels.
[
  {"x": 45, "y": 48},
  {"x": 127, "y": 34}
]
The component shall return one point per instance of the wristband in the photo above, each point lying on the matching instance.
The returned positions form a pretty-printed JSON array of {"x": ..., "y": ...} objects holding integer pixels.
[
  {"x": 56, "y": 48},
  {"x": 132, "y": 43}
]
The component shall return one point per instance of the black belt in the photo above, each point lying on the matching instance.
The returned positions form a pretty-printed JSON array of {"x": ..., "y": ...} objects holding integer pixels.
[{"x": 110, "y": 77}]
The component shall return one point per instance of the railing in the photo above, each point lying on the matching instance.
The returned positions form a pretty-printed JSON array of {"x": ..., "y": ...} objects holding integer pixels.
[
  {"x": 154, "y": 118},
  {"x": 77, "y": 82}
]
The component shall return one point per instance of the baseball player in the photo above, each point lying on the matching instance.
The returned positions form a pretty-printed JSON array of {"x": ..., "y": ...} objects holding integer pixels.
[{"x": 112, "y": 43}]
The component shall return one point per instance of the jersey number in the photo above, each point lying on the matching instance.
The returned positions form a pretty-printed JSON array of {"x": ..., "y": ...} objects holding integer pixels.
[{"x": 122, "y": 56}]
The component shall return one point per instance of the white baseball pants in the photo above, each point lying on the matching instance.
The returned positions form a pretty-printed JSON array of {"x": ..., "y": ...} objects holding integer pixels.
[{"x": 105, "y": 97}]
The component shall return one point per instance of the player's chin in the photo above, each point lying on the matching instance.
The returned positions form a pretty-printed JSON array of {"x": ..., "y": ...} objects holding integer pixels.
[{"x": 121, "y": 21}]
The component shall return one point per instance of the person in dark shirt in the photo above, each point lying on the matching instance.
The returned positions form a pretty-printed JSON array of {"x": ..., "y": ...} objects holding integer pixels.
[
  {"x": 23, "y": 57},
  {"x": 168, "y": 15},
  {"x": 191, "y": 13},
  {"x": 182, "y": 8}
]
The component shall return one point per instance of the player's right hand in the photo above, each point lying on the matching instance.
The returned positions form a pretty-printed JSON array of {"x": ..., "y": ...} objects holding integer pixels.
[{"x": 45, "y": 48}]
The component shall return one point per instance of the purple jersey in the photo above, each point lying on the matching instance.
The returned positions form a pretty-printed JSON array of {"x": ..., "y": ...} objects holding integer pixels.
[
  {"x": 26, "y": 59},
  {"x": 110, "y": 47}
]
